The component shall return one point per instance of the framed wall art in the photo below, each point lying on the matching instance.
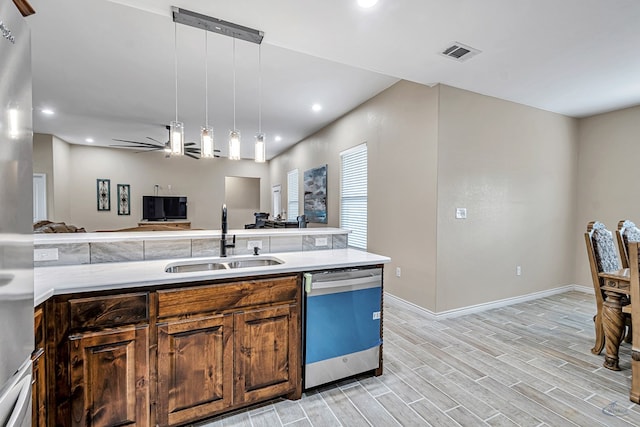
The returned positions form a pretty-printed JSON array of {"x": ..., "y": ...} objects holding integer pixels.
[
  {"x": 103, "y": 189},
  {"x": 124, "y": 196},
  {"x": 315, "y": 194}
]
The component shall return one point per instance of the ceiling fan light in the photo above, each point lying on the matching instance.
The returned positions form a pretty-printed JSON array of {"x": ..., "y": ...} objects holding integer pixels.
[
  {"x": 260, "y": 149},
  {"x": 234, "y": 145},
  {"x": 176, "y": 138},
  {"x": 206, "y": 143}
]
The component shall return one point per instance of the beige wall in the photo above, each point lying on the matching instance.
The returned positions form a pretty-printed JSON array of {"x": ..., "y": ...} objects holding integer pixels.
[
  {"x": 43, "y": 163},
  {"x": 607, "y": 176},
  {"x": 515, "y": 170},
  {"x": 400, "y": 128},
  {"x": 434, "y": 149},
  {"x": 202, "y": 181}
]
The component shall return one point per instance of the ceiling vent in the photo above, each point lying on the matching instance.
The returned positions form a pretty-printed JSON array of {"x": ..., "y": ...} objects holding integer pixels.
[{"x": 459, "y": 52}]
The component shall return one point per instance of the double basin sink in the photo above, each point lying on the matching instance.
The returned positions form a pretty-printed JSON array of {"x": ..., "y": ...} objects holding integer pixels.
[{"x": 222, "y": 264}]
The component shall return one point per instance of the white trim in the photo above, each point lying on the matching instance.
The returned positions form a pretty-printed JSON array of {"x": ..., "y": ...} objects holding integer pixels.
[
  {"x": 354, "y": 149},
  {"x": 484, "y": 306}
]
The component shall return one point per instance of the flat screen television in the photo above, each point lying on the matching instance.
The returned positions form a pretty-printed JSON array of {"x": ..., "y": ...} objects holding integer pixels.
[{"x": 162, "y": 208}]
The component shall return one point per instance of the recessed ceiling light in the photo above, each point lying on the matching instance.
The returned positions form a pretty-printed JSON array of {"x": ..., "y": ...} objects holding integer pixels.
[
  {"x": 367, "y": 3},
  {"x": 316, "y": 107},
  {"x": 89, "y": 140},
  {"x": 278, "y": 138},
  {"x": 47, "y": 111}
]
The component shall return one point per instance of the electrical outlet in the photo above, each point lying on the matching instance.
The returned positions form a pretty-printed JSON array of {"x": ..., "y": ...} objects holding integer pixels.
[
  {"x": 254, "y": 243},
  {"x": 461, "y": 213},
  {"x": 322, "y": 241},
  {"x": 398, "y": 272},
  {"x": 518, "y": 270},
  {"x": 45, "y": 254}
]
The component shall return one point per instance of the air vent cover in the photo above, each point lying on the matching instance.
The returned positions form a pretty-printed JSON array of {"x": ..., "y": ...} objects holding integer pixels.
[{"x": 459, "y": 52}]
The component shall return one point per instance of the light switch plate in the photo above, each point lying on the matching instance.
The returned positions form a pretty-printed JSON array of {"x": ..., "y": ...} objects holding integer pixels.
[
  {"x": 461, "y": 213},
  {"x": 45, "y": 254}
]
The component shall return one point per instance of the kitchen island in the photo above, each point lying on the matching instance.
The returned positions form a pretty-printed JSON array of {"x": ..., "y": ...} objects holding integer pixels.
[{"x": 129, "y": 343}]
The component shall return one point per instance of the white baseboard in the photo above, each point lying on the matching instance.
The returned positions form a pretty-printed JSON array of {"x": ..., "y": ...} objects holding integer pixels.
[{"x": 484, "y": 306}]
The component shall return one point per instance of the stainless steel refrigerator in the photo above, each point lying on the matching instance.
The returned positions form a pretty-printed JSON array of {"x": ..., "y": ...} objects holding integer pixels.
[{"x": 16, "y": 218}]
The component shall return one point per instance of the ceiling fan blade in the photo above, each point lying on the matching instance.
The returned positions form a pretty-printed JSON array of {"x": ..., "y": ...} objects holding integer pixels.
[
  {"x": 191, "y": 155},
  {"x": 187, "y": 144},
  {"x": 138, "y": 144},
  {"x": 155, "y": 140}
]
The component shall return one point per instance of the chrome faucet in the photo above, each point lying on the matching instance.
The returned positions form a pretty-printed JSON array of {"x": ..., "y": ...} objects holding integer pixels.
[{"x": 223, "y": 240}]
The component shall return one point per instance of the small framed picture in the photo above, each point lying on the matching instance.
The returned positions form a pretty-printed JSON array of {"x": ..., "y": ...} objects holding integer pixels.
[
  {"x": 104, "y": 194},
  {"x": 124, "y": 207}
]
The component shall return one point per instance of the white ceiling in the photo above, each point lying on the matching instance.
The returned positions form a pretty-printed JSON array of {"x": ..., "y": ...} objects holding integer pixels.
[{"x": 107, "y": 67}]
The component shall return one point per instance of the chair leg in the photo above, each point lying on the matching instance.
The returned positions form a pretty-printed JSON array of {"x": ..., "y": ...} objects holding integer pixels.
[
  {"x": 597, "y": 320},
  {"x": 629, "y": 337}
]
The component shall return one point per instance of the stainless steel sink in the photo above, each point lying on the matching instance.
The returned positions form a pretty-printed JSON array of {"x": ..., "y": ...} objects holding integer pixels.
[
  {"x": 253, "y": 263},
  {"x": 222, "y": 264},
  {"x": 187, "y": 268}
]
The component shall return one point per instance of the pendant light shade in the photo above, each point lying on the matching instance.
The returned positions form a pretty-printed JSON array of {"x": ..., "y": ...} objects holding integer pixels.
[
  {"x": 206, "y": 133},
  {"x": 206, "y": 143},
  {"x": 176, "y": 128},
  {"x": 234, "y": 145},
  {"x": 176, "y": 138},
  {"x": 260, "y": 149},
  {"x": 234, "y": 135}
]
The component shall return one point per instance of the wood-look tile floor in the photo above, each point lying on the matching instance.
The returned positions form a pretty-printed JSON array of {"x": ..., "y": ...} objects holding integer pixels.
[{"x": 527, "y": 364}]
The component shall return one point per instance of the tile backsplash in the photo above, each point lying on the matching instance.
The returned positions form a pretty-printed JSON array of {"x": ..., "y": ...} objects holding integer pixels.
[{"x": 139, "y": 250}]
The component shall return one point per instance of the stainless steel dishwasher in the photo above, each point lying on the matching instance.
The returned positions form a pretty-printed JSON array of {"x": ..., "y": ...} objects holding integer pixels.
[{"x": 342, "y": 324}]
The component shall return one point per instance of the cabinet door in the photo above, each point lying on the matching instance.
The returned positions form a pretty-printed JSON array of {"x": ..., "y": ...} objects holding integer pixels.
[
  {"x": 38, "y": 391},
  {"x": 267, "y": 345},
  {"x": 109, "y": 377},
  {"x": 195, "y": 368},
  {"x": 39, "y": 379}
]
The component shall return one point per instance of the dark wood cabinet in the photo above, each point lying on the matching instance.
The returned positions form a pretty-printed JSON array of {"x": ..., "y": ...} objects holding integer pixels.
[
  {"x": 169, "y": 355},
  {"x": 109, "y": 377},
  {"x": 195, "y": 366},
  {"x": 39, "y": 380},
  {"x": 266, "y": 352}
]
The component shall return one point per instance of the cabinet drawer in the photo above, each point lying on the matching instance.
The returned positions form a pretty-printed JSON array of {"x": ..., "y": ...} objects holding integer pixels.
[
  {"x": 108, "y": 311},
  {"x": 226, "y": 296}
]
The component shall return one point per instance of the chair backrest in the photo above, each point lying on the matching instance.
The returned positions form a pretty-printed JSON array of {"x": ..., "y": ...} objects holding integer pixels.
[
  {"x": 626, "y": 232},
  {"x": 602, "y": 254}
]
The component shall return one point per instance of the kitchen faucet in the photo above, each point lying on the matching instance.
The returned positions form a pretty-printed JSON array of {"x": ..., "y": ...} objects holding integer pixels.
[{"x": 223, "y": 240}]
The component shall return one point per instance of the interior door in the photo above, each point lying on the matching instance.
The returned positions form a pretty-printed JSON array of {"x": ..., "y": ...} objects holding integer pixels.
[{"x": 39, "y": 197}]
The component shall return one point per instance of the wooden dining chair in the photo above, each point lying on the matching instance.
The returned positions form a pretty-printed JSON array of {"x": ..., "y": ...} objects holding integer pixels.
[
  {"x": 634, "y": 290},
  {"x": 603, "y": 257},
  {"x": 626, "y": 232}
]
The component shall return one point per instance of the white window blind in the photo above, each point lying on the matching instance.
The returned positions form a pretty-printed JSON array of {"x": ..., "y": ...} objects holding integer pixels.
[
  {"x": 353, "y": 194},
  {"x": 292, "y": 195}
]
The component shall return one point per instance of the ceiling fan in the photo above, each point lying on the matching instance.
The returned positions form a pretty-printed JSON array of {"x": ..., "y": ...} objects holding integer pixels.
[{"x": 189, "y": 147}]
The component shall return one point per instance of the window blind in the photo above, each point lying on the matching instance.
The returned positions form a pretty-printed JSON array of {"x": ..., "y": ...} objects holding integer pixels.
[
  {"x": 353, "y": 194},
  {"x": 292, "y": 195}
]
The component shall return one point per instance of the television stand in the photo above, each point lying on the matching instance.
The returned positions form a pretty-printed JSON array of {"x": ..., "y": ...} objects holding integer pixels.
[{"x": 177, "y": 223}]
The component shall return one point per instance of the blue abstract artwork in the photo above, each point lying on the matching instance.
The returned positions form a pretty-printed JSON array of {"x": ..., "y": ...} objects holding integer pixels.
[{"x": 315, "y": 194}]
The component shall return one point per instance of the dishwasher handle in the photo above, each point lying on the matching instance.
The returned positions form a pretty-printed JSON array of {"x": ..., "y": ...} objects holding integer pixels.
[{"x": 348, "y": 284}]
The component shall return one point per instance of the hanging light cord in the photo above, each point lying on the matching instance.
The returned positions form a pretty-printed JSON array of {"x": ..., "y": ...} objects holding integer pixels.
[
  {"x": 259, "y": 88},
  {"x": 206, "y": 81},
  {"x": 175, "y": 62},
  {"x": 234, "y": 84}
]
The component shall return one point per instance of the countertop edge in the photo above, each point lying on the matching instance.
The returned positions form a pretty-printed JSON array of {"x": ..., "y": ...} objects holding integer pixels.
[{"x": 61, "y": 280}]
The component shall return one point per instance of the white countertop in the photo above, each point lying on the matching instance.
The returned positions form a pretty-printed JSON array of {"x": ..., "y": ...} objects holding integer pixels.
[
  {"x": 60, "y": 238},
  {"x": 58, "y": 280}
]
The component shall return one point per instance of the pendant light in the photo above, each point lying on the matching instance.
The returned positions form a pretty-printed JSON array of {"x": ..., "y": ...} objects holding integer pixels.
[
  {"x": 260, "y": 149},
  {"x": 234, "y": 135},
  {"x": 176, "y": 128},
  {"x": 206, "y": 133}
]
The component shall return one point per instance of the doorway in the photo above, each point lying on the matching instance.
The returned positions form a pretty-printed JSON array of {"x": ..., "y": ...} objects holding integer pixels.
[
  {"x": 242, "y": 197},
  {"x": 39, "y": 197},
  {"x": 276, "y": 200}
]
